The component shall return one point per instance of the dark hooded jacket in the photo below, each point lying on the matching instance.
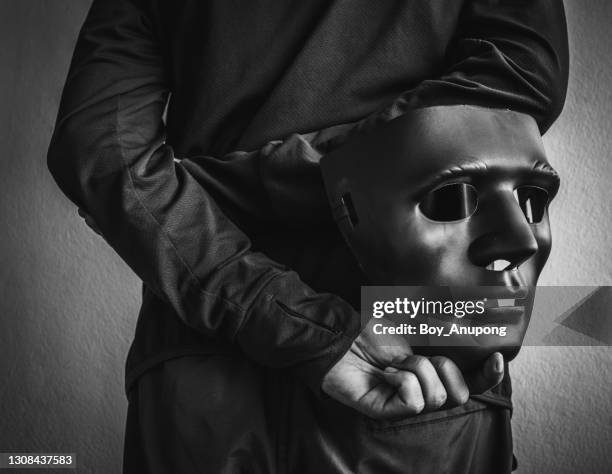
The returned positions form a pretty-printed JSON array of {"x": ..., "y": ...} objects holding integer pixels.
[{"x": 189, "y": 133}]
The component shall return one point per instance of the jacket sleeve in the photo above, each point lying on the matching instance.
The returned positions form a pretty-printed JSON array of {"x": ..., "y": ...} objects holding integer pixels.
[
  {"x": 505, "y": 54},
  {"x": 108, "y": 154}
]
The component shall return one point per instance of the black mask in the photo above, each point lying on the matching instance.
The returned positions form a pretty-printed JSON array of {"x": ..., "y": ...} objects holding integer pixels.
[{"x": 453, "y": 196}]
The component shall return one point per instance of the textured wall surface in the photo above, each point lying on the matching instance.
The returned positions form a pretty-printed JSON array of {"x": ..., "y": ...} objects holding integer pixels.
[
  {"x": 563, "y": 401},
  {"x": 69, "y": 305}
]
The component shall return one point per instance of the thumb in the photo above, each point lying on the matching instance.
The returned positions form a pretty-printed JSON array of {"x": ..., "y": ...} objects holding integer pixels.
[{"x": 488, "y": 376}]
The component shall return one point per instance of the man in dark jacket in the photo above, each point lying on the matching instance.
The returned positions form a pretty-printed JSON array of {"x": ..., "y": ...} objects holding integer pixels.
[{"x": 220, "y": 208}]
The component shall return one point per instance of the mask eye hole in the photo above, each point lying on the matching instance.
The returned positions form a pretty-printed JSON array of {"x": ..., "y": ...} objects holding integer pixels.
[
  {"x": 533, "y": 202},
  {"x": 451, "y": 202}
]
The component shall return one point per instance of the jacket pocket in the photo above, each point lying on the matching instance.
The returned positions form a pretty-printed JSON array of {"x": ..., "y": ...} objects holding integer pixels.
[
  {"x": 438, "y": 416},
  {"x": 301, "y": 317}
]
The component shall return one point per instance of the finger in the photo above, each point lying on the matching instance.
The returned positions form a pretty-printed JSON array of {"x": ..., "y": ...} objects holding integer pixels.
[
  {"x": 408, "y": 399},
  {"x": 489, "y": 376},
  {"x": 457, "y": 392},
  {"x": 432, "y": 387}
]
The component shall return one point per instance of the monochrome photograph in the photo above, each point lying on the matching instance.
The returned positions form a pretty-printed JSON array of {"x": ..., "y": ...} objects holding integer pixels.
[{"x": 306, "y": 237}]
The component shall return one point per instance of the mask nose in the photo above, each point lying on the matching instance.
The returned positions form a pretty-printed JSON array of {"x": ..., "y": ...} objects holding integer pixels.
[{"x": 508, "y": 239}]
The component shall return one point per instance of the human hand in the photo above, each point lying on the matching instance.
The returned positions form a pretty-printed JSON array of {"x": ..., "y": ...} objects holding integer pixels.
[
  {"x": 476, "y": 381},
  {"x": 389, "y": 381}
]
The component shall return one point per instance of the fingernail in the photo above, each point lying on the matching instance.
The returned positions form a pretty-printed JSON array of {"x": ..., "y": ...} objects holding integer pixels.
[
  {"x": 391, "y": 370},
  {"x": 499, "y": 365}
]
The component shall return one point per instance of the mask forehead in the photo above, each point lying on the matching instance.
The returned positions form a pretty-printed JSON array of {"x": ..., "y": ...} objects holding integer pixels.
[{"x": 493, "y": 143}]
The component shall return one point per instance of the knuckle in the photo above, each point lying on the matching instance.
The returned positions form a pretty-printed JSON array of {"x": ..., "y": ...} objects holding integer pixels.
[
  {"x": 460, "y": 396},
  {"x": 440, "y": 362},
  {"x": 437, "y": 400},
  {"x": 410, "y": 379},
  {"x": 419, "y": 362},
  {"x": 415, "y": 406},
  {"x": 442, "y": 398}
]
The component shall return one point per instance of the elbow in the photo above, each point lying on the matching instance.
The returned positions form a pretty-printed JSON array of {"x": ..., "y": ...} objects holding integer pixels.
[
  {"x": 62, "y": 162},
  {"x": 554, "y": 90},
  {"x": 557, "y": 101},
  {"x": 67, "y": 160},
  {"x": 559, "y": 81},
  {"x": 555, "y": 67}
]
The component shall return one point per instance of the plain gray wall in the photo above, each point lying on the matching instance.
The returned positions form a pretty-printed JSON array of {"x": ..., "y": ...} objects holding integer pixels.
[{"x": 68, "y": 304}]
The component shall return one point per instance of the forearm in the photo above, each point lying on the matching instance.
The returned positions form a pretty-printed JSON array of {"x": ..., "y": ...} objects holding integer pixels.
[{"x": 109, "y": 156}]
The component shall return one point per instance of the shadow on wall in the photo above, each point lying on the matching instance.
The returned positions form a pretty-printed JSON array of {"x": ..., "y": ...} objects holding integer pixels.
[
  {"x": 562, "y": 400},
  {"x": 68, "y": 304}
]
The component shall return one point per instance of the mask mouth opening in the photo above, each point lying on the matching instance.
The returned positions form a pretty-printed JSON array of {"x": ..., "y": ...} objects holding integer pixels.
[
  {"x": 499, "y": 265},
  {"x": 501, "y": 302}
]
